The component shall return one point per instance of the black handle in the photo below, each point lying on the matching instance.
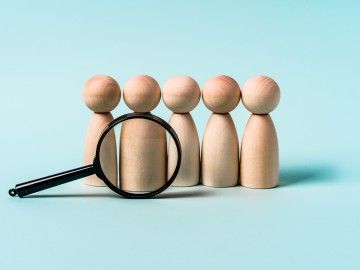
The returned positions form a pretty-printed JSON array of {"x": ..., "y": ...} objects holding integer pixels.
[{"x": 39, "y": 184}]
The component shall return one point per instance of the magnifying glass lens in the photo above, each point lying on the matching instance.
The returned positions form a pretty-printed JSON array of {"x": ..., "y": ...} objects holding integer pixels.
[{"x": 133, "y": 157}]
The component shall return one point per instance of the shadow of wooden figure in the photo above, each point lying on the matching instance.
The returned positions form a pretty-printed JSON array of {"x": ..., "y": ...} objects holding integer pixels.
[{"x": 307, "y": 174}]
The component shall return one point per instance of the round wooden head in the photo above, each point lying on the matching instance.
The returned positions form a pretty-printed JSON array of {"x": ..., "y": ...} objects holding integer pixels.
[
  {"x": 142, "y": 93},
  {"x": 260, "y": 95},
  {"x": 221, "y": 94},
  {"x": 181, "y": 94},
  {"x": 101, "y": 94}
]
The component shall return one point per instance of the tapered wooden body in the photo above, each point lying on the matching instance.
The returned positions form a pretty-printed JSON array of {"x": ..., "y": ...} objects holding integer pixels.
[
  {"x": 189, "y": 173},
  {"x": 142, "y": 155},
  {"x": 259, "y": 161},
  {"x": 108, "y": 155},
  {"x": 220, "y": 152}
]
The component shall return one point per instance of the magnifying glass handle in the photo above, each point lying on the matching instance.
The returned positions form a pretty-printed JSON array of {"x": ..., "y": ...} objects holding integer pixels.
[{"x": 50, "y": 181}]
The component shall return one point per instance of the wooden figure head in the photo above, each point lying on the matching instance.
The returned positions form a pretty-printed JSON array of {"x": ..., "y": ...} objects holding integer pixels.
[
  {"x": 260, "y": 95},
  {"x": 221, "y": 94},
  {"x": 181, "y": 94},
  {"x": 142, "y": 93},
  {"x": 101, "y": 94}
]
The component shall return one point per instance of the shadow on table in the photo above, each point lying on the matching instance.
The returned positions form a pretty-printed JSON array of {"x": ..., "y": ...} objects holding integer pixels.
[
  {"x": 186, "y": 194},
  {"x": 166, "y": 195},
  {"x": 295, "y": 175}
]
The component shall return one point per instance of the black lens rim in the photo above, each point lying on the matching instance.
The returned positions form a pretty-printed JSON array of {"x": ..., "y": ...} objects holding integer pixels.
[{"x": 149, "y": 116}]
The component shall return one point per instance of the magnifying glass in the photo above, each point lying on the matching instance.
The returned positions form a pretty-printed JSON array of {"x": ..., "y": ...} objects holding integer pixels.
[{"x": 113, "y": 128}]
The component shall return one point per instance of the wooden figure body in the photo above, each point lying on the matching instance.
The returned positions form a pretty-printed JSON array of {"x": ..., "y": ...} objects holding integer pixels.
[
  {"x": 142, "y": 142},
  {"x": 259, "y": 161},
  {"x": 181, "y": 94},
  {"x": 101, "y": 94},
  {"x": 220, "y": 146},
  {"x": 220, "y": 152}
]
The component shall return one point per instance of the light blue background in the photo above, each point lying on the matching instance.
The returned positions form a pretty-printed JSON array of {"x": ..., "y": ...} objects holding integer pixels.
[{"x": 312, "y": 221}]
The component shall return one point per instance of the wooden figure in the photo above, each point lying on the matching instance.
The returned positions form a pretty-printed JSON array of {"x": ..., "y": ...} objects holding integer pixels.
[
  {"x": 142, "y": 142},
  {"x": 220, "y": 146},
  {"x": 101, "y": 95},
  {"x": 259, "y": 161},
  {"x": 181, "y": 94}
]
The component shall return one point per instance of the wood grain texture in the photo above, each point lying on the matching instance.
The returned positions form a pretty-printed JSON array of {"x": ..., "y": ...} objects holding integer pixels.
[
  {"x": 259, "y": 161},
  {"x": 142, "y": 93},
  {"x": 220, "y": 152},
  {"x": 143, "y": 155},
  {"x": 181, "y": 94},
  {"x": 260, "y": 95},
  {"x": 221, "y": 94},
  {"x": 108, "y": 153},
  {"x": 189, "y": 173},
  {"x": 101, "y": 93}
]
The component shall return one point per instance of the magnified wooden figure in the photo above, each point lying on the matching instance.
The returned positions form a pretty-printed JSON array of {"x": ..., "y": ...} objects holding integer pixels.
[{"x": 142, "y": 142}]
